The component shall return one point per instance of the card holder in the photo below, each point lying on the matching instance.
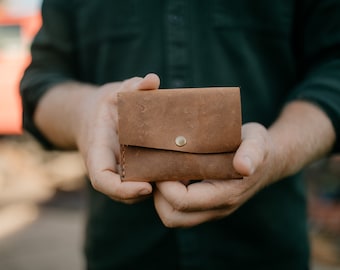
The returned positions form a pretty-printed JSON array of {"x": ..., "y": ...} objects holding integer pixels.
[{"x": 179, "y": 134}]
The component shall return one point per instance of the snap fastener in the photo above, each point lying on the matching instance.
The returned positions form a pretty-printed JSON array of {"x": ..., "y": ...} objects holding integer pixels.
[{"x": 181, "y": 141}]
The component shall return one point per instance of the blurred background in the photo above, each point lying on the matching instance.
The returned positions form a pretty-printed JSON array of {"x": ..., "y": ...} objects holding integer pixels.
[{"x": 42, "y": 197}]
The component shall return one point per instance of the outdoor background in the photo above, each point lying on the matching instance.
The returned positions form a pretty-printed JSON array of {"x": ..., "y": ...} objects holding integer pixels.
[{"x": 42, "y": 197}]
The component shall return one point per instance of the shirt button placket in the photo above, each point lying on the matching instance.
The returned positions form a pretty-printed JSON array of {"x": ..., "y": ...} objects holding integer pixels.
[{"x": 176, "y": 36}]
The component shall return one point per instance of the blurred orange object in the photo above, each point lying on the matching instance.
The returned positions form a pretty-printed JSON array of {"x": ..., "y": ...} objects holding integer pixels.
[{"x": 16, "y": 34}]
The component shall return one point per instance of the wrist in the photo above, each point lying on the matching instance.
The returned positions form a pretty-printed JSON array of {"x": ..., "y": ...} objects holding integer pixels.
[
  {"x": 84, "y": 97},
  {"x": 59, "y": 113},
  {"x": 301, "y": 135}
]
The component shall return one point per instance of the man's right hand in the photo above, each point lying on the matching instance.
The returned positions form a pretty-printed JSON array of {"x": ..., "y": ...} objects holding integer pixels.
[{"x": 76, "y": 115}]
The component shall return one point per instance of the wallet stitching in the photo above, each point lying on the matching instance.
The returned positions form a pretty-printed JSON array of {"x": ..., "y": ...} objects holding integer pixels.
[{"x": 123, "y": 160}]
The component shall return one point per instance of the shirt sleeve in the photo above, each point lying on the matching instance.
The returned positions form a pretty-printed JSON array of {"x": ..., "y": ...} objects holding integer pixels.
[
  {"x": 318, "y": 55},
  {"x": 52, "y": 63}
]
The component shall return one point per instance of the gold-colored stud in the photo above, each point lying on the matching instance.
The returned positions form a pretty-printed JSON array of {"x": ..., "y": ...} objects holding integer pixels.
[{"x": 180, "y": 141}]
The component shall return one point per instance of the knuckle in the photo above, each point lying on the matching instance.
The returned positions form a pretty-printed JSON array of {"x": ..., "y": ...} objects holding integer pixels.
[
  {"x": 132, "y": 79},
  {"x": 168, "y": 222},
  {"x": 231, "y": 201},
  {"x": 128, "y": 82},
  {"x": 180, "y": 205},
  {"x": 124, "y": 195},
  {"x": 95, "y": 182}
]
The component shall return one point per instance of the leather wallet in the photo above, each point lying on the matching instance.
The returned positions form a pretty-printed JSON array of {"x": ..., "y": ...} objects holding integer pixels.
[{"x": 179, "y": 134}]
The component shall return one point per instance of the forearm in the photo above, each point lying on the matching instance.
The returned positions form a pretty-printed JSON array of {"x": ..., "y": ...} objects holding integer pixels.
[
  {"x": 302, "y": 134},
  {"x": 59, "y": 112}
]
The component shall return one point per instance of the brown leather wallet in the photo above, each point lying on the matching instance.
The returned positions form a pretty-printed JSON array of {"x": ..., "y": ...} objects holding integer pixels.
[{"x": 179, "y": 134}]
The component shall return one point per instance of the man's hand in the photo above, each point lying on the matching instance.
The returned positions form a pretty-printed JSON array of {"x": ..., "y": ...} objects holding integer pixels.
[
  {"x": 301, "y": 134},
  {"x": 180, "y": 205},
  {"x": 77, "y": 115},
  {"x": 98, "y": 141}
]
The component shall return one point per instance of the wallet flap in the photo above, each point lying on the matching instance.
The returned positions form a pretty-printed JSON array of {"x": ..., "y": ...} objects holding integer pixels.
[{"x": 193, "y": 120}]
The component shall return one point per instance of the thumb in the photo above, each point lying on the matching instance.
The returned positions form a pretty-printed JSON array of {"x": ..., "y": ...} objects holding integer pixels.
[
  {"x": 252, "y": 150},
  {"x": 150, "y": 82}
]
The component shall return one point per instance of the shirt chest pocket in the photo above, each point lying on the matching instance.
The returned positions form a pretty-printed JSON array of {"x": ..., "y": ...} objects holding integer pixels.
[
  {"x": 262, "y": 16},
  {"x": 105, "y": 20}
]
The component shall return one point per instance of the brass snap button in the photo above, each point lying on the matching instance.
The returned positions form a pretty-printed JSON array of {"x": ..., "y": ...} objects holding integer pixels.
[{"x": 180, "y": 141}]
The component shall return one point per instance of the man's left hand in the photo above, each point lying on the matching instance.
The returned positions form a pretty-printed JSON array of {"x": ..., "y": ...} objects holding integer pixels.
[{"x": 181, "y": 205}]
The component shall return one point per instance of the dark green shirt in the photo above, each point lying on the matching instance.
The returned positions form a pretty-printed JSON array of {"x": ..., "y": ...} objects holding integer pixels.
[{"x": 275, "y": 50}]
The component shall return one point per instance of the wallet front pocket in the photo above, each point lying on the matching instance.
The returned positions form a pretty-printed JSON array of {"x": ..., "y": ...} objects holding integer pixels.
[{"x": 179, "y": 134}]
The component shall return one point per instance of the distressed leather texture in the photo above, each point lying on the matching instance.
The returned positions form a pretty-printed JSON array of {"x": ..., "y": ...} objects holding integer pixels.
[{"x": 150, "y": 121}]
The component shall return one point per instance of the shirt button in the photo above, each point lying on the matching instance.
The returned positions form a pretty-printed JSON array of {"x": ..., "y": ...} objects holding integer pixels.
[
  {"x": 178, "y": 83},
  {"x": 175, "y": 19}
]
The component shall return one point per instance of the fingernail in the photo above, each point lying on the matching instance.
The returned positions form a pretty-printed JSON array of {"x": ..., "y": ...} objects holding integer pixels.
[
  {"x": 249, "y": 164},
  {"x": 144, "y": 192}
]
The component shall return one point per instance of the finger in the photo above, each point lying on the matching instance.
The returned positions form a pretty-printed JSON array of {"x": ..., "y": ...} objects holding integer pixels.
[
  {"x": 105, "y": 179},
  {"x": 110, "y": 184},
  {"x": 252, "y": 150},
  {"x": 205, "y": 195},
  {"x": 131, "y": 84},
  {"x": 150, "y": 82},
  {"x": 173, "y": 218}
]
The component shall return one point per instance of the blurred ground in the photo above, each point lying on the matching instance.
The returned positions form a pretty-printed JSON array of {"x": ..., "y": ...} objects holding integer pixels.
[
  {"x": 42, "y": 208},
  {"x": 324, "y": 210}
]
